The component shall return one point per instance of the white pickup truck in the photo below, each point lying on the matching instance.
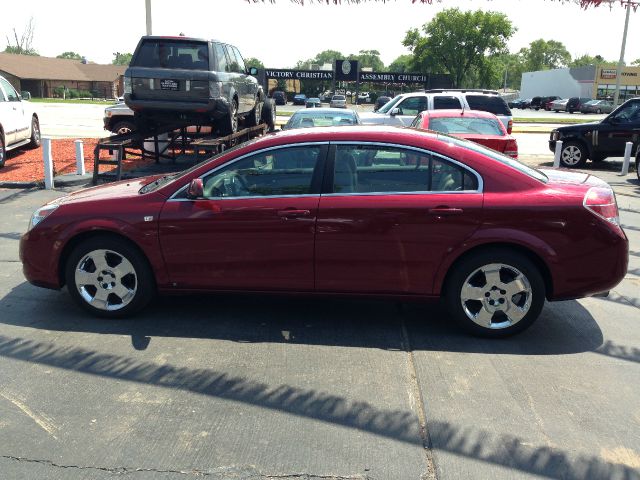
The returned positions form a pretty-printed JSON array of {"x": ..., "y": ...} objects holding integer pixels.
[{"x": 19, "y": 123}]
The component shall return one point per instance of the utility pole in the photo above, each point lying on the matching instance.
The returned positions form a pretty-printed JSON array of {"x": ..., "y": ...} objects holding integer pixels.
[
  {"x": 147, "y": 4},
  {"x": 616, "y": 96}
]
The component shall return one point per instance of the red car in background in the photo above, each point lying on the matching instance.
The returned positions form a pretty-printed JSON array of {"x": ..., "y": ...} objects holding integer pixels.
[
  {"x": 480, "y": 127},
  {"x": 338, "y": 210}
]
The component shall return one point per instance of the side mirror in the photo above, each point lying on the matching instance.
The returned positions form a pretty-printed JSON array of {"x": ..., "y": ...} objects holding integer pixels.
[
  {"x": 394, "y": 112},
  {"x": 253, "y": 71},
  {"x": 196, "y": 189}
]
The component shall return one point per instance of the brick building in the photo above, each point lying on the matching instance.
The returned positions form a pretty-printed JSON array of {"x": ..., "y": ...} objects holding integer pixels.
[{"x": 42, "y": 75}]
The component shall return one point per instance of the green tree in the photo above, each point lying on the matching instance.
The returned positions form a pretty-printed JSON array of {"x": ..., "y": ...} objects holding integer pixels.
[
  {"x": 636, "y": 62},
  {"x": 401, "y": 64},
  {"x": 70, "y": 55},
  {"x": 457, "y": 42},
  {"x": 21, "y": 51},
  {"x": 369, "y": 59},
  {"x": 121, "y": 58},
  {"x": 545, "y": 54},
  {"x": 23, "y": 45},
  {"x": 253, "y": 62}
]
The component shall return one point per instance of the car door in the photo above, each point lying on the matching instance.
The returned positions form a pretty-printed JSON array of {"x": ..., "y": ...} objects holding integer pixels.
[
  {"x": 391, "y": 216},
  {"x": 254, "y": 227},
  {"x": 406, "y": 111},
  {"x": 243, "y": 82},
  {"x": 12, "y": 114},
  {"x": 620, "y": 127}
]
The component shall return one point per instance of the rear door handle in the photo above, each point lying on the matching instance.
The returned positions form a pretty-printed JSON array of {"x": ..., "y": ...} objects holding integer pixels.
[
  {"x": 445, "y": 211},
  {"x": 292, "y": 213}
]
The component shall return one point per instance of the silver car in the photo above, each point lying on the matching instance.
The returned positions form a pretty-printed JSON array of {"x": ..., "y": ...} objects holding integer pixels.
[
  {"x": 338, "y": 101},
  {"x": 559, "y": 105},
  {"x": 322, "y": 117}
]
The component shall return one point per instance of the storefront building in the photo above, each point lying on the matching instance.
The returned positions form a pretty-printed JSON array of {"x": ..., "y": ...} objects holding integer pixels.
[{"x": 597, "y": 82}]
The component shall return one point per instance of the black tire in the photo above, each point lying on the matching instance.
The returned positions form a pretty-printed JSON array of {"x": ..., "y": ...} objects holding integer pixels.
[
  {"x": 134, "y": 278},
  {"x": 573, "y": 155},
  {"x": 3, "y": 150},
  {"x": 255, "y": 116},
  {"x": 524, "y": 306},
  {"x": 123, "y": 126},
  {"x": 638, "y": 167},
  {"x": 269, "y": 114},
  {"x": 229, "y": 124},
  {"x": 599, "y": 111},
  {"x": 35, "y": 133}
]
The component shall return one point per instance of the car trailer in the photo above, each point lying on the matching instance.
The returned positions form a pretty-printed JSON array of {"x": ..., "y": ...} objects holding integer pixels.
[{"x": 180, "y": 138}]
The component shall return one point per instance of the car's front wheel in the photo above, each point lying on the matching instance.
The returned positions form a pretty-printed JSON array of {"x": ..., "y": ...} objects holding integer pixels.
[
  {"x": 3, "y": 150},
  {"x": 109, "y": 277},
  {"x": 35, "y": 133},
  {"x": 495, "y": 293},
  {"x": 573, "y": 155},
  {"x": 123, "y": 127}
]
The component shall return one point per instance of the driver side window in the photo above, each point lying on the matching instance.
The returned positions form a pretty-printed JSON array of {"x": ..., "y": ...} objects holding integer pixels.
[
  {"x": 286, "y": 171},
  {"x": 12, "y": 95},
  {"x": 629, "y": 114},
  {"x": 413, "y": 105}
]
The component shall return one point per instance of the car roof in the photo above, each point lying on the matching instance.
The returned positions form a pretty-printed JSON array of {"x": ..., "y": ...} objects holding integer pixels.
[{"x": 324, "y": 110}]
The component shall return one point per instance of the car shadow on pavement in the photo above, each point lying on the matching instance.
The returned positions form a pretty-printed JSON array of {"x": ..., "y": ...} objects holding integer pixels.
[
  {"x": 327, "y": 322},
  {"x": 563, "y": 327}
]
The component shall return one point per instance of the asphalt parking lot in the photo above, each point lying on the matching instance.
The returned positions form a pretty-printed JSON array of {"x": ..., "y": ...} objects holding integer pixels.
[{"x": 253, "y": 387}]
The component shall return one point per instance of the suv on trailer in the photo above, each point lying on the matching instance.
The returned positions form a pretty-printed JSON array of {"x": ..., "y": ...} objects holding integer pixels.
[
  {"x": 195, "y": 81},
  {"x": 599, "y": 140},
  {"x": 18, "y": 122},
  {"x": 402, "y": 109}
]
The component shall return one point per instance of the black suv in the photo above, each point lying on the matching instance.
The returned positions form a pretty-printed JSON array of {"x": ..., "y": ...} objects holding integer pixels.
[
  {"x": 599, "y": 140},
  {"x": 199, "y": 82}
]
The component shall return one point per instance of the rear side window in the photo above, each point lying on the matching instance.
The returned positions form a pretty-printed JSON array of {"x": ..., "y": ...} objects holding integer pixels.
[
  {"x": 173, "y": 54},
  {"x": 488, "y": 103},
  {"x": 236, "y": 64},
  {"x": 221, "y": 56},
  {"x": 383, "y": 169},
  {"x": 446, "y": 103}
]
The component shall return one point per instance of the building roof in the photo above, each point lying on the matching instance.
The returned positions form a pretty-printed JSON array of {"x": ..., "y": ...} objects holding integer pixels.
[{"x": 46, "y": 68}]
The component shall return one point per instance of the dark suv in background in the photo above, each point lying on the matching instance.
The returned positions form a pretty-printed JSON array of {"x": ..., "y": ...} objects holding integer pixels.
[{"x": 193, "y": 81}]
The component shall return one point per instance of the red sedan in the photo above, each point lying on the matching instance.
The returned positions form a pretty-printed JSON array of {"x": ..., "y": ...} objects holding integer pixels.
[
  {"x": 480, "y": 127},
  {"x": 375, "y": 211}
]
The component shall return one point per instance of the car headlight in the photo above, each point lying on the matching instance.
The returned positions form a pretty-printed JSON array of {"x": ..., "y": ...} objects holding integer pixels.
[
  {"x": 555, "y": 135},
  {"x": 42, "y": 213}
]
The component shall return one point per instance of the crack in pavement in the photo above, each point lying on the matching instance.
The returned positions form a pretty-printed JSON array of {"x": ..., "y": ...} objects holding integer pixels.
[{"x": 247, "y": 473}]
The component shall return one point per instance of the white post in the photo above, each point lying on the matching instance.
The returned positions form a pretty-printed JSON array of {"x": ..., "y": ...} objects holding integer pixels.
[
  {"x": 616, "y": 95},
  {"x": 79, "y": 158},
  {"x": 147, "y": 4},
  {"x": 48, "y": 163},
  {"x": 627, "y": 158},
  {"x": 556, "y": 158}
]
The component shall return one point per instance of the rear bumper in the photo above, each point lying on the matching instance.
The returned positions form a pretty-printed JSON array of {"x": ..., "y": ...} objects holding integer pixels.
[{"x": 213, "y": 107}]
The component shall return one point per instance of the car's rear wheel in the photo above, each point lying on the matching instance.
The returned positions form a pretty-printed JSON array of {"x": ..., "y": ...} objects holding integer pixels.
[
  {"x": 108, "y": 277},
  {"x": 599, "y": 110},
  {"x": 638, "y": 166},
  {"x": 229, "y": 124},
  {"x": 123, "y": 127},
  {"x": 269, "y": 113},
  {"x": 3, "y": 150},
  {"x": 495, "y": 293},
  {"x": 573, "y": 155},
  {"x": 35, "y": 132}
]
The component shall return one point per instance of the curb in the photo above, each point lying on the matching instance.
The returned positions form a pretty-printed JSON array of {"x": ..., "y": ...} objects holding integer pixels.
[
  {"x": 22, "y": 185},
  {"x": 62, "y": 181}
]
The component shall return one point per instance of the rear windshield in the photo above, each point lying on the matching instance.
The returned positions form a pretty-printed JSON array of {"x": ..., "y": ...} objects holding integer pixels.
[
  {"x": 175, "y": 54},
  {"x": 458, "y": 124},
  {"x": 488, "y": 103}
]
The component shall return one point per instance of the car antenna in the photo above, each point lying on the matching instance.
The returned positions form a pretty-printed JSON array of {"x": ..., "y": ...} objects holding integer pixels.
[{"x": 462, "y": 112}]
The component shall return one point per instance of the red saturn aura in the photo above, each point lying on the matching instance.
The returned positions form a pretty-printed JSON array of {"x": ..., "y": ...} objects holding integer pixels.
[
  {"x": 364, "y": 210},
  {"x": 480, "y": 127}
]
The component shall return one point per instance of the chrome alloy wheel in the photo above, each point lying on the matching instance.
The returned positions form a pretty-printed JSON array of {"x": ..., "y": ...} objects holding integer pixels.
[
  {"x": 571, "y": 155},
  {"x": 496, "y": 296},
  {"x": 106, "y": 280}
]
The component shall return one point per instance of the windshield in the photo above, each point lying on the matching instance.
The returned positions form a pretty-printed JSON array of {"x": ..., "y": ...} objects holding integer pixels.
[
  {"x": 511, "y": 162},
  {"x": 389, "y": 105},
  {"x": 459, "y": 124},
  {"x": 302, "y": 119},
  {"x": 175, "y": 54}
]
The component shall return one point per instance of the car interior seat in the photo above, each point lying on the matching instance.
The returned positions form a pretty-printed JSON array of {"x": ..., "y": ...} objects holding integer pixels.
[
  {"x": 307, "y": 122},
  {"x": 345, "y": 178}
]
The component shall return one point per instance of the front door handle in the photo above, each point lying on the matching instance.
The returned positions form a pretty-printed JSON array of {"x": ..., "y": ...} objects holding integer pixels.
[
  {"x": 293, "y": 213},
  {"x": 445, "y": 211}
]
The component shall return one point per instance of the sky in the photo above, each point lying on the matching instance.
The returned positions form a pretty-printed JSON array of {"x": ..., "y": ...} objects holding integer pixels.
[{"x": 280, "y": 34}]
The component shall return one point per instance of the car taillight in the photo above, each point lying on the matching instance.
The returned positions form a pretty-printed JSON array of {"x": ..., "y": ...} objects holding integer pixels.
[
  {"x": 511, "y": 148},
  {"x": 510, "y": 127},
  {"x": 127, "y": 85},
  {"x": 602, "y": 202},
  {"x": 215, "y": 89}
]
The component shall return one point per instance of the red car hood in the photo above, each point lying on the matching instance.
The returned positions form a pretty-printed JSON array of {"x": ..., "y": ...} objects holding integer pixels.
[{"x": 119, "y": 190}]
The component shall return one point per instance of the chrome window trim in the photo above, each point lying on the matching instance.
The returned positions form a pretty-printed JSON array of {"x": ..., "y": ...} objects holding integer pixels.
[
  {"x": 256, "y": 152},
  {"x": 480, "y": 188}
]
